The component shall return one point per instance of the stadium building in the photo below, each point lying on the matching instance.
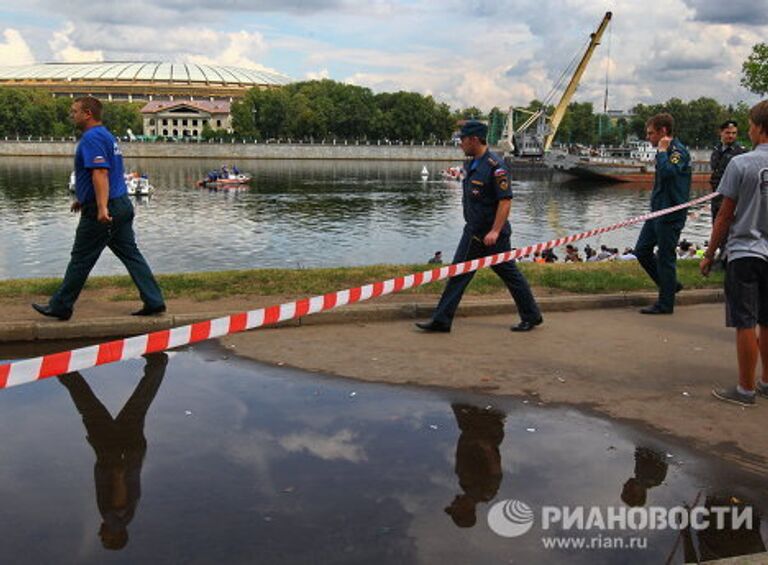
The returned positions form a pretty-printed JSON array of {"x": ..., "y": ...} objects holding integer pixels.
[{"x": 208, "y": 90}]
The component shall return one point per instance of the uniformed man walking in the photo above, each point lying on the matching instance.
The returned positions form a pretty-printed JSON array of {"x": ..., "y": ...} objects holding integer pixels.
[
  {"x": 672, "y": 186},
  {"x": 486, "y": 200},
  {"x": 106, "y": 217}
]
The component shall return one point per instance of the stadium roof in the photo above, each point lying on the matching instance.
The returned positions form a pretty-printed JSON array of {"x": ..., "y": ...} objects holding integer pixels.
[
  {"x": 143, "y": 71},
  {"x": 140, "y": 77}
]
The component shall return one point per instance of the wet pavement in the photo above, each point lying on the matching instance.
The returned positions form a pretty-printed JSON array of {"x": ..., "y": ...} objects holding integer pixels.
[{"x": 201, "y": 457}]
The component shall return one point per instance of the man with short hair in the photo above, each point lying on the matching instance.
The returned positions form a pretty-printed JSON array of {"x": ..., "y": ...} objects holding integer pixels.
[
  {"x": 486, "y": 199},
  {"x": 723, "y": 152},
  {"x": 106, "y": 217},
  {"x": 743, "y": 217},
  {"x": 671, "y": 186}
]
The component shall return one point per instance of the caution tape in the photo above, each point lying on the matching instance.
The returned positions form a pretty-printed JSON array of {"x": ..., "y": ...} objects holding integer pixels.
[{"x": 38, "y": 368}]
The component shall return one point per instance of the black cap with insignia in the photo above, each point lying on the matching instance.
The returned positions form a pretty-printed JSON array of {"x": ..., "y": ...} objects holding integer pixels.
[{"x": 474, "y": 127}]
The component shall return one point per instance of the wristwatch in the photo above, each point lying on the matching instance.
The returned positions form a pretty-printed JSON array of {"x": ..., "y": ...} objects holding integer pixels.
[{"x": 708, "y": 255}]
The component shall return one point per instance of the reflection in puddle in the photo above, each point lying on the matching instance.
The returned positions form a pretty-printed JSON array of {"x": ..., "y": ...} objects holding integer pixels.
[
  {"x": 249, "y": 463},
  {"x": 120, "y": 446}
]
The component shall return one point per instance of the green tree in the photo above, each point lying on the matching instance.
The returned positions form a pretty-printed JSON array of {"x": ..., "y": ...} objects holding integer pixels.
[
  {"x": 579, "y": 124},
  {"x": 471, "y": 113},
  {"x": 119, "y": 117},
  {"x": 754, "y": 71}
]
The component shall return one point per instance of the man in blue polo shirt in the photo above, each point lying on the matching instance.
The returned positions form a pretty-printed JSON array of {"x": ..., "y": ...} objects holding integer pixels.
[{"x": 106, "y": 217}]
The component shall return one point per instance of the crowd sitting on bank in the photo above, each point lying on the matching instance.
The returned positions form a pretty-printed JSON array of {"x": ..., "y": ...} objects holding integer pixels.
[{"x": 572, "y": 254}]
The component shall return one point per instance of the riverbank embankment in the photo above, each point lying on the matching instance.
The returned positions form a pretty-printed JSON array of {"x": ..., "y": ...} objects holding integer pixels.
[{"x": 362, "y": 151}]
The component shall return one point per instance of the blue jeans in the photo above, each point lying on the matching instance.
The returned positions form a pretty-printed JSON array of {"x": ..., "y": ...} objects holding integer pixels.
[
  {"x": 91, "y": 238},
  {"x": 472, "y": 247},
  {"x": 663, "y": 267}
]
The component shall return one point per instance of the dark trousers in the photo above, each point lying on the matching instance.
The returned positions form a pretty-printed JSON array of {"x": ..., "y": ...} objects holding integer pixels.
[
  {"x": 91, "y": 238},
  {"x": 471, "y": 247},
  {"x": 662, "y": 268}
]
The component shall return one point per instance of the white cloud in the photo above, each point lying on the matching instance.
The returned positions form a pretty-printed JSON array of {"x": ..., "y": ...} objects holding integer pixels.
[
  {"x": 66, "y": 51},
  {"x": 464, "y": 52},
  {"x": 338, "y": 446},
  {"x": 318, "y": 75},
  {"x": 14, "y": 50},
  {"x": 239, "y": 49}
]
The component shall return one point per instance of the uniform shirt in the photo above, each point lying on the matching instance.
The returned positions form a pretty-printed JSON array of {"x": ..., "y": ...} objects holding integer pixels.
[
  {"x": 486, "y": 182},
  {"x": 672, "y": 184},
  {"x": 746, "y": 181},
  {"x": 718, "y": 161},
  {"x": 98, "y": 149}
]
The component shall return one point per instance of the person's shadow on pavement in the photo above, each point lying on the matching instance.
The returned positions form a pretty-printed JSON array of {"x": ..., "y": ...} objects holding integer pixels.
[
  {"x": 478, "y": 460},
  {"x": 120, "y": 446}
]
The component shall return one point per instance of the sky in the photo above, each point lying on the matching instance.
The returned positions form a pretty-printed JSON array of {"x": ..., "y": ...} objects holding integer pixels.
[{"x": 480, "y": 53}]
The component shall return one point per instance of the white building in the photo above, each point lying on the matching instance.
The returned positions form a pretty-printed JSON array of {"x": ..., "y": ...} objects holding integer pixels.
[{"x": 185, "y": 118}]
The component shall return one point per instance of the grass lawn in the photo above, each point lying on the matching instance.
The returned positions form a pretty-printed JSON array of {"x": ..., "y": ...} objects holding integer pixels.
[{"x": 584, "y": 278}]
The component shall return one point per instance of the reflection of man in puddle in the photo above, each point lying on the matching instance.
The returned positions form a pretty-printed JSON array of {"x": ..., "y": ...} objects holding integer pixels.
[
  {"x": 650, "y": 471},
  {"x": 120, "y": 446},
  {"x": 478, "y": 461},
  {"x": 717, "y": 543}
]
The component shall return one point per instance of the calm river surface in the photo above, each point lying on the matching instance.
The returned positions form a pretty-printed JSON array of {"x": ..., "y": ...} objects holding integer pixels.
[
  {"x": 294, "y": 214},
  {"x": 219, "y": 460}
]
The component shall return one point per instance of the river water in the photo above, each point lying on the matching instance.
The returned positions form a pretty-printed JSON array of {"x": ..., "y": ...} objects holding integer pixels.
[
  {"x": 219, "y": 460},
  {"x": 296, "y": 214}
]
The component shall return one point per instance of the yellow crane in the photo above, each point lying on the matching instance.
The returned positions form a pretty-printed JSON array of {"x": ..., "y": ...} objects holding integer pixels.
[
  {"x": 536, "y": 144},
  {"x": 557, "y": 115}
]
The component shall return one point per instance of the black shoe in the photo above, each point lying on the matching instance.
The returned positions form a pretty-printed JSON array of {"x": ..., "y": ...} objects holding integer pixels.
[
  {"x": 733, "y": 396},
  {"x": 526, "y": 326},
  {"x": 46, "y": 310},
  {"x": 147, "y": 311},
  {"x": 679, "y": 287},
  {"x": 433, "y": 326},
  {"x": 655, "y": 309}
]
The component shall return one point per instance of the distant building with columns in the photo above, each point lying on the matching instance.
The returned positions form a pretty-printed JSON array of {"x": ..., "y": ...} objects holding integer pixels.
[{"x": 185, "y": 118}]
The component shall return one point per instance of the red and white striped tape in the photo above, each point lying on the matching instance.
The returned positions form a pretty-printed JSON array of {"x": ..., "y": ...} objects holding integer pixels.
[{"x": 30, "y": 370}]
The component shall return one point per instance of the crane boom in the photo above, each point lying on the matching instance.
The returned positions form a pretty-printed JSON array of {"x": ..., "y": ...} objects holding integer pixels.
[{"x": 557, "y": 115}]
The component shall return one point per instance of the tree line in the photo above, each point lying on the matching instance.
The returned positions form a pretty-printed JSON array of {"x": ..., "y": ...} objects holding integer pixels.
[
  {"x": 28, "y": 112},
  {"x": 329, "y": 109}
]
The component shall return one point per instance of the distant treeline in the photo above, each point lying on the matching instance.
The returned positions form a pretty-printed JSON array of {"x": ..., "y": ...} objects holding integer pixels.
[
  {"x": 25, "y": 112},
  {"x": 325, "y": 109},
  {"x": 329, "y": 109},
  {"x": 697, "y": 122}
]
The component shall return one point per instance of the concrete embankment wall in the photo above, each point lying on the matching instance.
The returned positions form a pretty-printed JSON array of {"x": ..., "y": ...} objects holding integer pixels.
[{"x": 241, "y": 150}]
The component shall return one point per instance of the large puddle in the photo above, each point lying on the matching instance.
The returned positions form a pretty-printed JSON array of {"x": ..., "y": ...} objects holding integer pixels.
[{"x": 203, "y": 458}]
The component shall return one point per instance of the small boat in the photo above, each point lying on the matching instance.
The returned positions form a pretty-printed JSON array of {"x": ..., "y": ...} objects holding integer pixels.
[
  {"x": 232, "y": 180},
  {"x": 135, "y": 184},
  {"x": 452, "y": 174},
  {"x": 138, "y": 185}
]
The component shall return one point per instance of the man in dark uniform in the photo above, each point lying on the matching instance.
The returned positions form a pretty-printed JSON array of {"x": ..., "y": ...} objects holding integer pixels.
[
  {"x": 486, "y": 199},
  {"x": 724, "y": 151},
  {"x": 671, "y": 186},
  {"x": 106, "y": 217}
]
